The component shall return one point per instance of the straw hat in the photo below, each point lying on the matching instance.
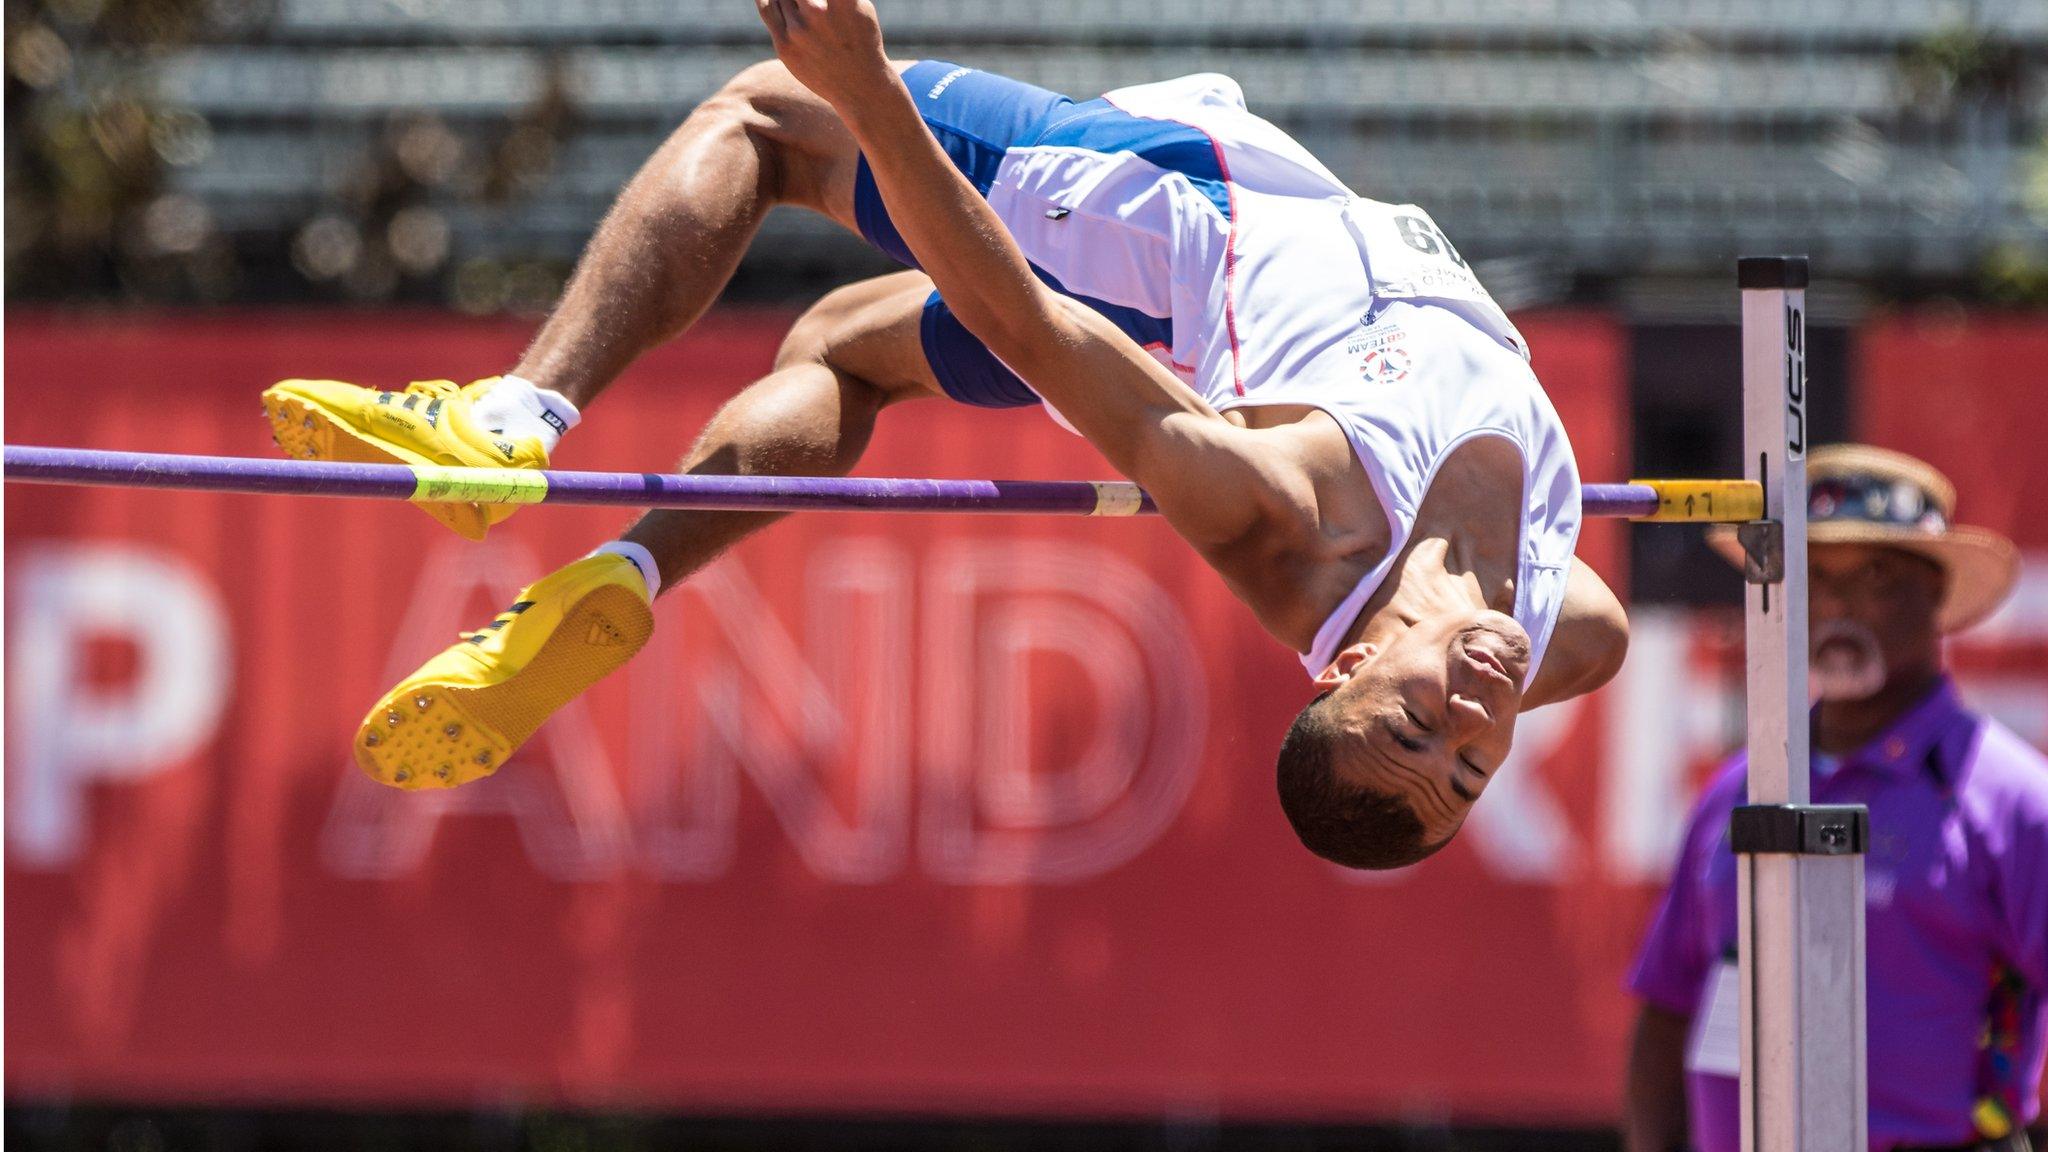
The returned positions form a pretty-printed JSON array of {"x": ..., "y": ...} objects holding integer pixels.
[{"x": 1857, "y": 494}]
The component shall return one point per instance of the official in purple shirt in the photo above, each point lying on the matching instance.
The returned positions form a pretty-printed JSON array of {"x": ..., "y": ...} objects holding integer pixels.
[{"x": 1956, "y": 880}]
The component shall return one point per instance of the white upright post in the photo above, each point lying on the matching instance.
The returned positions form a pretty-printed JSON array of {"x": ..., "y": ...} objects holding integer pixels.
[{"x": 1800, "y": 866}]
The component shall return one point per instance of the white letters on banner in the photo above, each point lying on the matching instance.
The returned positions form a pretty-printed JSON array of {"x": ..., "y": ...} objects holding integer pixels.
[
  {"x": 768, "y": 708},
  {"x": 64, "y": 733},
  {"x": 841, "y": 698},
  {"x": 986, "y": 817},
  {"x": 1521, "y": 830},
  {"x": 1662, "y": 717},
  {"x": 912, "y": 685},
  {"x": 565, "y": 804}
]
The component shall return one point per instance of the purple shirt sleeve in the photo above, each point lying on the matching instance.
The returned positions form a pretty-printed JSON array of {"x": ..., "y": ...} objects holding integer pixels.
[
  {"x": 2022, "y": 863},
  {"x": 2026, "y": 908},
  {"x": 1671, "y": 969}
]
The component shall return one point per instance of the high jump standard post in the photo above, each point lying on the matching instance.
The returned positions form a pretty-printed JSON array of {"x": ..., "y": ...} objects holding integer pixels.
[{"x": 1800, "y": 865}]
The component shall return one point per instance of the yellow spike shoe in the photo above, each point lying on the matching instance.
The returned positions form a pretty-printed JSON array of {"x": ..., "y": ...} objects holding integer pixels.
[
  {"x": 467, "y": 710},
  {"x": 428, "y": 423}
]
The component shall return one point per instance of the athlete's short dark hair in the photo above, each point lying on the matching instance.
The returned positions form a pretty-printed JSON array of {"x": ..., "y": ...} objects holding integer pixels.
[{"x": 1345, "y": 823}]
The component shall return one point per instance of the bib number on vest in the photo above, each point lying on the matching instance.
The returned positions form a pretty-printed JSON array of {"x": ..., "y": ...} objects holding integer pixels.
[
  {"x": 1419, "y": 232},
  {"x": 1408, "y": 255}
]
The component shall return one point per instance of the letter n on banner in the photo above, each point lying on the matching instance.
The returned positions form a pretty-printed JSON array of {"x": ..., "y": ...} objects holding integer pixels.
[{"x": 821, "y": 727}]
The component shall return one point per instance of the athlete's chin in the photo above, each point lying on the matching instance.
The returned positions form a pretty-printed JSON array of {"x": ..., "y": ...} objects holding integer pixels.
[{"x": 1500, "y": 635}]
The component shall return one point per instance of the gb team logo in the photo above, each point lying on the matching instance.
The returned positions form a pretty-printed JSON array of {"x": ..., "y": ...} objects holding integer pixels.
[{"x": 1385, "y": 365}]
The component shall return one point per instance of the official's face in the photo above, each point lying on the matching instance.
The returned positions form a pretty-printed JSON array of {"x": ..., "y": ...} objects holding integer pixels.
[{"x": 1871, "y": 616}]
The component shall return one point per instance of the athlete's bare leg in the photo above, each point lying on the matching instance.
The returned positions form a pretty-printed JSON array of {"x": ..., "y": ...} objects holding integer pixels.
[
  {"x": 854, "y": 353},
  {"x": 677, "y": 231},
  {"x": 666, "y": 250},
  {"x": 464, "y": 713},
  {"x": 656, "y": 263}
]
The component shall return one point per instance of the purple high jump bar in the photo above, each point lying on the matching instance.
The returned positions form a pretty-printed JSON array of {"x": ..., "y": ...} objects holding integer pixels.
[{"x": 86, "y": 466}]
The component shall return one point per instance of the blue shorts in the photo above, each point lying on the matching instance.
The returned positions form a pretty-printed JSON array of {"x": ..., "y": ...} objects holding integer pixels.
[{"x": 975, "y": 116}]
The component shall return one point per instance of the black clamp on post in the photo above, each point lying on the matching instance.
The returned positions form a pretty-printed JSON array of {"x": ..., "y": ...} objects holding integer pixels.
[
  {"x": 1763, "y": 551},
  {"x": 1799, "y": 829}
]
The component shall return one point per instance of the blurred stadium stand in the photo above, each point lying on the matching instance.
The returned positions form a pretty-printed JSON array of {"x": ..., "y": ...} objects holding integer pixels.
[{"x": 461, "y": 150}]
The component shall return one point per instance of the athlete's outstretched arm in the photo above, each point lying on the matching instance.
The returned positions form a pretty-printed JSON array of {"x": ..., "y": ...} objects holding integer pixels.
[{"x": 1212, "y": 480}]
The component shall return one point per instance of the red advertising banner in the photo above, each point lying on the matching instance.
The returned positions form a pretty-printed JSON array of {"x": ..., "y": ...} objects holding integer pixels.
[
  {"x": 916, "y": 813},
  {"x": 1966, "y": 395}
]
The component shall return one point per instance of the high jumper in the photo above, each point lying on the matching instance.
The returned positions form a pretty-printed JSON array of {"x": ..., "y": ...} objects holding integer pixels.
[{"x": 1313, "y": 387}]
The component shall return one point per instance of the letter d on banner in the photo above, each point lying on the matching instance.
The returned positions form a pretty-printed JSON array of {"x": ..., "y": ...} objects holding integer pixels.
[
  {"x": 63, "y": 732},
  {"x": 992, "y": 607}
]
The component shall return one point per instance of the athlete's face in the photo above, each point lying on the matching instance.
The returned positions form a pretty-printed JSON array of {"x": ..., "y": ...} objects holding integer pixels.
[{"x": 1432, "y": 713}]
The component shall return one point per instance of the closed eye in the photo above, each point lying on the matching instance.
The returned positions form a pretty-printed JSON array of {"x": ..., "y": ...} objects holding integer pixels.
[{"x": 1402, "y": 738}]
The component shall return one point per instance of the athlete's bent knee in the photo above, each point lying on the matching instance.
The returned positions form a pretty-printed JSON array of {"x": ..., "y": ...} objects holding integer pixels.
[
  {"x": 867, "y": 331},
  {"x": 834, "y": 321}
]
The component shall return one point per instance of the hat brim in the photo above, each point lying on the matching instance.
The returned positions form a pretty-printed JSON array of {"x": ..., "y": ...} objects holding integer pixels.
[{"x": 1982, "y": 566}]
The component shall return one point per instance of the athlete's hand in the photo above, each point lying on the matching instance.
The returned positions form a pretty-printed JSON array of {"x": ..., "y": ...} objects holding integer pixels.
[{"x": 832, "y": 47}]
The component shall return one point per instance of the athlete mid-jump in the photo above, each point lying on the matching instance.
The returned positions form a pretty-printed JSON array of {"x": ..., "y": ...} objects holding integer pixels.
[{"x": 1315, "y": 389}]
